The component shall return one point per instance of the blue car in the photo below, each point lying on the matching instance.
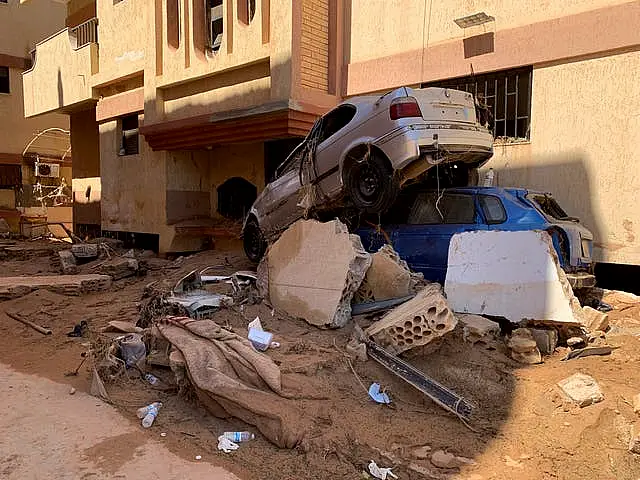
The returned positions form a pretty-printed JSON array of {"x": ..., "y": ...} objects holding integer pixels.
[{"x": 421, "y": 223}]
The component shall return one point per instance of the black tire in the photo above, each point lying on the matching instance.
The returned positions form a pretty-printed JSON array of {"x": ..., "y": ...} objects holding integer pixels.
[
  {"x": 371, "y": 184},
  {"x": 253, "y": 241}
]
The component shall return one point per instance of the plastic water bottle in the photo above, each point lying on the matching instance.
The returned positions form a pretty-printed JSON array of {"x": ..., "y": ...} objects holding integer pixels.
[
  {"x": 489, "y": 177},
  {"x": 238, "y": 437},
  {"x": 151, "y": 378},
  {"x": 142, "y": 412},
  {"x": 152, "y": 413}
]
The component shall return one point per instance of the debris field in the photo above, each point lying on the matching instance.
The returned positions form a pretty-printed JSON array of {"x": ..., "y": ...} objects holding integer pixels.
[{"x": 552, "y": 397}]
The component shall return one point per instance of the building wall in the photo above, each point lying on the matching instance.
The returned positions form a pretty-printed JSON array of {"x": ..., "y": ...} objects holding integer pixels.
[
  {"x": 138, "y": 205},
  {"x": 585, "y": 134}
]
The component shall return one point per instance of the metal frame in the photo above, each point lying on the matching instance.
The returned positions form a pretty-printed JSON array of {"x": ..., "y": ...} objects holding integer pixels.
[{"x": 505, "y": 126}]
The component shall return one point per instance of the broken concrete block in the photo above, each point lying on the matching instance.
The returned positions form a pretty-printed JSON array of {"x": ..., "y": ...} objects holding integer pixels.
[
  {"x": 575, "y": 342},
  {"x": 478, "y": 329},
  {"x": 421, "y": 453},
  {"x": 636, "y": 403},
  {"x": 523, "y": 346},
  {"x": 85, "y": 250},
  {"x": 546, "y": 339},
  {"x": 415, "y": 322},
  {"x": 595, "y": 320},
  {"x": 120, "y": 267},
  {"x": 388, "y": 277},
  {"x": 515, "y": 275},
  {"x": 581, "y": 389},
  {"x": 14, "y": 287},
  {"x": 313, "y": 271},
  {"x": 67, "y": 262}
]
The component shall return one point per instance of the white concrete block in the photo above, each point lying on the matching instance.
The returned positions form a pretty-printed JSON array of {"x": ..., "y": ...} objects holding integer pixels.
[{"x": 515, "y": 275}]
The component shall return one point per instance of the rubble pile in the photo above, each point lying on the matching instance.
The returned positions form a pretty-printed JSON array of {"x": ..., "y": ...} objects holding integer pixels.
[{"x": 14, "y": 287}]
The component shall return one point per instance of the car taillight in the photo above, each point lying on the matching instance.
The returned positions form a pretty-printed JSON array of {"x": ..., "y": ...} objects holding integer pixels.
[{"x": 404, "y": 107}]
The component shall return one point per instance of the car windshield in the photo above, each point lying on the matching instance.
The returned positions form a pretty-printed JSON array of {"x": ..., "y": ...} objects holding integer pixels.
[{"x": 548, "y": 205}]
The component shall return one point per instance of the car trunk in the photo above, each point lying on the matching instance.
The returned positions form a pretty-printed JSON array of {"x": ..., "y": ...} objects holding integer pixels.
[{"x": 446, "y": 105}]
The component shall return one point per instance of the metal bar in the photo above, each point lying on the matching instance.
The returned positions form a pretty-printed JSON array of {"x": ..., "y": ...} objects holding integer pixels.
[
  {"x": 506, "y": 96},
  {"x": 438, "y": 393},
  {"x": 515, "y": 121},
  {"x": 495, "y": 108}
]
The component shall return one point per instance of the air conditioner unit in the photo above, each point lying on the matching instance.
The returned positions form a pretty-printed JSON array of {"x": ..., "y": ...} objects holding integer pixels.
[{"x": 51, "y": 170}]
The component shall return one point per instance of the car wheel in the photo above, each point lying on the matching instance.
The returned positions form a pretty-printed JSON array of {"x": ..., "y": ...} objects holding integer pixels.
[
  {"x": 253, "y": 241},
  {"x": 371, "y": 184}
]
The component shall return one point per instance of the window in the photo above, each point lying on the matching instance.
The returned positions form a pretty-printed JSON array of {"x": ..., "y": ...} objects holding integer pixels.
[
  {"x": 493, "y": 209},
  {"x": 4, "y": 80},
  {"x": 336, "y": 120},
  {"x": 246, "y": 10},
  {"x": 215, "y": 23},
  {"x": 173, "y": 23},
  {"x": 506, "y": 94},
  {"x": 448, "y": 208},
  {"x": 129, "y": 145},
  {"x": 235, "y": 197},
  {"x": 293, "y": 162}
]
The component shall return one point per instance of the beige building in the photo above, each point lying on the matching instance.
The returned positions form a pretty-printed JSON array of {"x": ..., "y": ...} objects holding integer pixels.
[
  {"x": 181, "y": 109},
  {"x": 20, "y": 28}
]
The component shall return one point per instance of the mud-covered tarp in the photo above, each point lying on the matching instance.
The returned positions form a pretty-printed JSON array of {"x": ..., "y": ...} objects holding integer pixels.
[{"x": 234, "y": 380}]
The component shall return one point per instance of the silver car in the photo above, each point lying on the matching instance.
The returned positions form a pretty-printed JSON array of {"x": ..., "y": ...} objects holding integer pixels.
[{"x": 363, "y": 151}]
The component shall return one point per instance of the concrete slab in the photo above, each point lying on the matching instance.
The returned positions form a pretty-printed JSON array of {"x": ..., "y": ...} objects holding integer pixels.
[
  {"x": 515, "y": 275},
  {"x": 581, "y": 389},
  {"x": 14, "y": 287},
  {"x": 595, "y": 320},
  {"x": 387, "y": 278},
  {"x": 414, "y": 323},
  {"x": 313, "y": 270},
  {"x": 478, "y": 329}
]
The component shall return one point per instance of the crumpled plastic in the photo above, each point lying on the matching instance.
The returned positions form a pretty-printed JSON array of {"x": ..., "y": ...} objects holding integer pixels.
[
  {"x": 379, "y": 472},
  {"x": 374, "y": 393},
  {"x": 226, "y": 445}
]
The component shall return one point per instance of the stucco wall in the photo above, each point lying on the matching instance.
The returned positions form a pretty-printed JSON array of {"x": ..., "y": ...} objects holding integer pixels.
[
  {"x": 16, "y": 130},
  {"x": 585, "y": 133},
  {"x": 133, "y": 186},
  {"x": 381, "y": 28},
  {"x": 23, "y": 25}
]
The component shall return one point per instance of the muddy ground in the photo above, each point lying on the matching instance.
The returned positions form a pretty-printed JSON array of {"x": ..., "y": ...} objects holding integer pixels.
[{"x": 522, "y": 429}]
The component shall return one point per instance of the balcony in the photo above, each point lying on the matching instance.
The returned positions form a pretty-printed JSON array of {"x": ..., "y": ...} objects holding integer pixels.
[{"x": 60, "y": 79}]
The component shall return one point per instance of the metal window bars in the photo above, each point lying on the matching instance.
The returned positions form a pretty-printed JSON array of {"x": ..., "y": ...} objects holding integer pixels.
[
  {"x": 85, "y": 33},
  {"x": 507, "y": 94}
]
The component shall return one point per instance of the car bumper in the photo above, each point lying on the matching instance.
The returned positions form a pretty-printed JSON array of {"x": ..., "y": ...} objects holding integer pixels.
[
  {"x": 438, "y": 143},
  {"x": 581, "y": 280}
]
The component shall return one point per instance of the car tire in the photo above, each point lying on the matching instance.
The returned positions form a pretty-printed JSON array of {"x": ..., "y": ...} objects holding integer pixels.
[
  {"x": 253, "y": 241},
  {"x": 371, "y": 184}
]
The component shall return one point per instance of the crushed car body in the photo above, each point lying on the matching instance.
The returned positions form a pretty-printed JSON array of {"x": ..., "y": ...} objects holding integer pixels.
[
  {"x": 421, "y": 223},
  {"x": 363, "y": 151}
]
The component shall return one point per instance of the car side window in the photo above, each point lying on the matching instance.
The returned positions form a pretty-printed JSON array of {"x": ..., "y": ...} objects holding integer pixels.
[
  {"x": 291, "y": 163},
  {"x": 493, "y": 209},
  {"x": 336, "y": 120},
  {"x": 448, "y": 208}
]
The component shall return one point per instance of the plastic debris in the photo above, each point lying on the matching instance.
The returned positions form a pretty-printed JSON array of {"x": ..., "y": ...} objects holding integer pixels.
[
  {"x": 378, "y": 472},
  {"x": 226, "y": 445},
  {"x": 260, "y": 339},
  {"x": 198, "y": 457},
  {"x": 375, "y": 394}
]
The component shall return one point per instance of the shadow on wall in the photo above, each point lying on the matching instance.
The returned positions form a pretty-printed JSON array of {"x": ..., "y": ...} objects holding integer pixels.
[
  {"x": 60, "y": 90},
  {"x": 569, "y": 182}
]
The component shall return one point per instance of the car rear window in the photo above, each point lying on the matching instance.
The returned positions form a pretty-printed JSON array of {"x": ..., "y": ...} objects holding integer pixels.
[
  {"x": 493, "y": 209},
  {"x": 447, "y": 208},
  {"x": 549, "y": 206}
]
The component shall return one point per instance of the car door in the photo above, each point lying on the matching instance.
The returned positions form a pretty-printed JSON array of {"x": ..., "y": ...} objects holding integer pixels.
[
  {"x": 331, "y": 141},
  {"x": 281, "y": 197},
  {"x": 424, "y": 240}
]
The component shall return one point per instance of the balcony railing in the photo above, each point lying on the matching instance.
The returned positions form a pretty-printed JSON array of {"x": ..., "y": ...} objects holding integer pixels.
[{"x": 85, "y": 33}]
